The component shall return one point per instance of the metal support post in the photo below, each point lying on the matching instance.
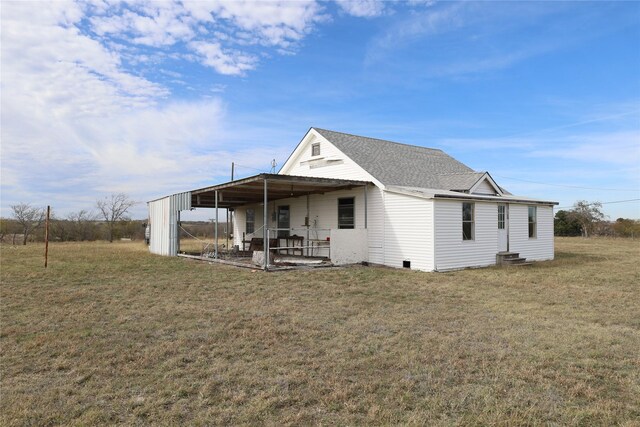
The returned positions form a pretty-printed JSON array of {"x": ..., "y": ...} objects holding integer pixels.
[
  {"x": 265, "y": 231},
  {"x": 307, "y": 223},
  {"x": 215, "y": 232}
]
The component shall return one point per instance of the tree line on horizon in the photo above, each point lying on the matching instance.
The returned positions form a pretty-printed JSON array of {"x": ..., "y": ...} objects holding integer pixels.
[
  {"x": 587, "y": 219},
  {"x": 110, "y": 221}
]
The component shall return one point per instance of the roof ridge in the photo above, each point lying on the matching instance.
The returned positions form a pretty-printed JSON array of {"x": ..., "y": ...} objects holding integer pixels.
[
  {"x": 378, "y": 139},
  {"x": 460, "y": 173}
]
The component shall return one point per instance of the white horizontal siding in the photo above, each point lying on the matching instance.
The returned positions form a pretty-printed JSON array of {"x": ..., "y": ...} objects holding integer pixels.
[
  {"x": 451, "y": 251},
  {"x": 375, "y": 221},
  {"x": 484, "y": 188},
  {"x": 534, "y": 249},
  {"x": 408, "y": 231}
]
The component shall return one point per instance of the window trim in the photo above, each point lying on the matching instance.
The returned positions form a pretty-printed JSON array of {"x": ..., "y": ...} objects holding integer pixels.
[
  {"x": 533, "y": 223},
  {"x": 315, "y": 147},
  {"x": 252, "y": 222},
  {"x": 353, "y": 207},
  {"x": 472, "y": 221}
]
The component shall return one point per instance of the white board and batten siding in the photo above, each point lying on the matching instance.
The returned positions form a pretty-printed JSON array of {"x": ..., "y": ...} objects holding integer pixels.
[
  {"x": 451, "y": 251},
  {"x": 408, "y": 231},
  {"x": 163, "y": 222},
  {"x": 538, "y": 248}
]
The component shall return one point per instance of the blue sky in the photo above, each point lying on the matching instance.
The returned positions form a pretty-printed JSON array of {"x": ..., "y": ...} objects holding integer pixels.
[{"x": 152, "y": 98}]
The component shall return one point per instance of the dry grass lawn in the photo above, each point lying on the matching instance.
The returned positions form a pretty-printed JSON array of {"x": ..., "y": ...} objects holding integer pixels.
[{"x": 112, "y": 335}]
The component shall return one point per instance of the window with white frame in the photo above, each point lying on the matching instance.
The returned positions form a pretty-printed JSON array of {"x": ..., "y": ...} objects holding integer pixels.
[
  {"x": 250, "y": 221},
  {"x": 533, "y": 222},
  {"x": 468, "y": 221},
  {"x": 315, "y": 149}
]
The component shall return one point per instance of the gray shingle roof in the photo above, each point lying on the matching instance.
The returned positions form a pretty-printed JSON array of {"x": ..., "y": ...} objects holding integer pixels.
[{"x": 393, "y": 163}]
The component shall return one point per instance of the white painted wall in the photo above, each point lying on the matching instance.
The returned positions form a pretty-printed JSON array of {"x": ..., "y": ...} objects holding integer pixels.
[
  {"x": 408, "y": 231},
  {"x": 323, "y": 216},
  {"x": 349, "y": 246},
  {"x": 536, "y": 249},
  {"x": 302, "y": 163},
  {"x": 451, "y": 251}
]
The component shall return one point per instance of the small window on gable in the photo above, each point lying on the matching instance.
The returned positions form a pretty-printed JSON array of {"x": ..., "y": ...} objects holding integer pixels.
[
  {"x": 533, "y": 222},
  {"x": 468, "y": 223},
  {"x": 315, "y": 149}
]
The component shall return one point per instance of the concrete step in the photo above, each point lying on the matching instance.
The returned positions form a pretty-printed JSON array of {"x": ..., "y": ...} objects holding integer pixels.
[{"x": 510, "y": 258}]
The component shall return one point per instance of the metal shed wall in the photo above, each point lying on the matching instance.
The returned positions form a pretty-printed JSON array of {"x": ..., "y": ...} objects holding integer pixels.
[{"x": 163, "y": 221}]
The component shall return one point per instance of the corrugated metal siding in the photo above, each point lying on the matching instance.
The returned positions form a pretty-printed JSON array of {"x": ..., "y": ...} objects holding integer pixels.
[
  {"x": 536, "y": 249},
  {"x": 163, "y": 220},
  {"x": 451, "y": 251},
  {"x": 408, "y": 231}
]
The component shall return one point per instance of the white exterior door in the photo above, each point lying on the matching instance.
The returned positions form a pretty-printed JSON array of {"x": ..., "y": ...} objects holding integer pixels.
[{"x": 503, "y": 228}]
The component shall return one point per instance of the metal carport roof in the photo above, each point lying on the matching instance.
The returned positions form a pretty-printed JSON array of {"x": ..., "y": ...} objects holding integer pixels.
[{"x": 251, "y": 190}]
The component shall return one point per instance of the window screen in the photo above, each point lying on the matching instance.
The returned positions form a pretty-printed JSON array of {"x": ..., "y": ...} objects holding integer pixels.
[
  {"x": 250, "y": 221},
  {"x": 346, "y": 210}
]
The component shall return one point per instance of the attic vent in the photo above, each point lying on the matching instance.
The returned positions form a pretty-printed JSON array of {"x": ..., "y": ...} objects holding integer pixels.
[{"x": 315, "y": 149}]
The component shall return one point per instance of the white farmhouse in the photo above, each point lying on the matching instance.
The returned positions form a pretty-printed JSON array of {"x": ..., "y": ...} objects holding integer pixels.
[{"x": 355, "y": 199}]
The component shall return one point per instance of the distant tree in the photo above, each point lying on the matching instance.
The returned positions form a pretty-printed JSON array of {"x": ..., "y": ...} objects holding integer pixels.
[
  {"x": 83, "y": 225},
  {"x": 589, "y": 215},
  {"x": 627, "y": 227},
  {"x": 30, "y": 218},
  {"x": 565, "y": 224},
  {"x": 114, "y": 209}
]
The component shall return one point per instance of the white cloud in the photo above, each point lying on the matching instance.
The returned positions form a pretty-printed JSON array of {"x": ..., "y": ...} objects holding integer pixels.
[
  {"x": 79, "y": 122},
  {"x": 223, "y": 61},
  {"x": 76, "y": 124},
  {"x": 212, "y": 28},
  {"x": 615, "y": 148},
  {"x": 362, "y": 8}
]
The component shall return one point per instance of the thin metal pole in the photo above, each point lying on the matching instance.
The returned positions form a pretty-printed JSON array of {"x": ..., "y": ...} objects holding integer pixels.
[
  {"x": 226, "y": 227},
  {"x": 215, "y": 232},
  {"x": 307, "y": 223},
  {"x": 46, "y": 237},
  {"x": 365, "y": 205},
  {"x": 265, "y": 232}
]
